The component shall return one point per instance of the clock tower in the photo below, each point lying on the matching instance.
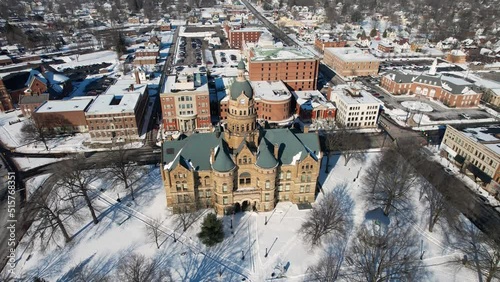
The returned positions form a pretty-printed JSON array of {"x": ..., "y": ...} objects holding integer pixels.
[{"x": 241, "y": 116}]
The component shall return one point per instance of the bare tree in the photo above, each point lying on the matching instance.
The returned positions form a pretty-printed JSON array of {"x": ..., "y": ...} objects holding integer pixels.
[
  {"x": 153, "y": 228},
  {"x": 388, "y": 181},
  {"x": 382, "y": 253},
  {"x": 327, "y": 268},
  {"x": 75, "y": 176},
  {"x": 49, "y": 210},
  {"x": 345, "y": 141},
  {"x": 138, "y": 268},
  {"x": 123, "y": 170},
  {"x": 481, "y": 252},
  {"x": 438, "y": 207},
  {"x": 187, "y": 214},
  {"x": 34, "y": 130},
  {"x": 332, "y": 214}
]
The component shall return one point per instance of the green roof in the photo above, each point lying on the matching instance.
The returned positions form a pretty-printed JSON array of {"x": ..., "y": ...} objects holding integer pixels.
[
  {"x": 222, "y": 160},
  {"x": 265, "y": 158},
  {"x": 241, "y": 65},
  {"x": 241, "y": 86},
  {"x": 193, "y": 152}
]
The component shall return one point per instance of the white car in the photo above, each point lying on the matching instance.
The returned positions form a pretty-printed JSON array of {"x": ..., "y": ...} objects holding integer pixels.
[{"x": 448, "y": 171}]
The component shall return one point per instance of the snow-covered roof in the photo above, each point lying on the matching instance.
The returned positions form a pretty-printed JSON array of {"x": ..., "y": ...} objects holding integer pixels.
[
  {"x": 488, "y": 136},
  {"x": 351, "y": 54},
  {"x": 54, "y": 106},
  {"x": 353, "y": 96},
  {"x": 270, "y": 90},
  {"x": 114, "y": 103},
  {"x": 311, "y": 99},
  {"x": 280, "y": 53}
]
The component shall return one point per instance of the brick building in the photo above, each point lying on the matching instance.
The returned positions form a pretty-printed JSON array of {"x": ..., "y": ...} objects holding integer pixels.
[
  {"x": 297, "y": 68},
  {"x": 29, "y": 103},
  {"x": 118, "y": 114},
  {"x": 15, "y": 83},
  {"x": 351, "y": 61},
  {"x": 238, "y": 36},
  {"x": 456, "y": 57},
  {"x": 311, "y": 106},
  {"x": 242, "y": 168},
  {"x": 386, "y": 47},
  {"x": 185, "y": 102},
  {"x": 65, "y": 115},
  {"x": 451, "y": 91},
  {"x": 321, "y": 43},
  {"x": 148, "y": 55},
  {"x": 273, "y": 101}
]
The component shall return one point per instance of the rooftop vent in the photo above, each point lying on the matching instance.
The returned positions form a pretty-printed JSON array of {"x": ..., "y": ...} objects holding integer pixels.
[{"x": 116, "y": 100}]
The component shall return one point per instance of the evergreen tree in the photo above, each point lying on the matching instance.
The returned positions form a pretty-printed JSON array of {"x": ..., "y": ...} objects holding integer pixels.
[
  {"x": 363, "y": 33},
  {"x": 384, "y": 35},
  {"x": 211, "y": 230},
  {"x": 373, "y": 33},
  {"x": 120, "y": 46}
]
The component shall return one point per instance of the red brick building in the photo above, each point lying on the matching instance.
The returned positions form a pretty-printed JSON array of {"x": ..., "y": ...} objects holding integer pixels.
[
  {"x": 386, "y": 47},
  {"x": 297, "y": 68},
  {"x": 322, "y": 43},
  {"x": 66, "y": 115},
  {"x": 451, "y": 91},
  {"x": 29, "y": 103},
  {"x": 273, "y": 101},
  {"x": 456, "y": 57},
  {"x": 185, "y": 103},
  {"x": 311, "y": 106},
  {"x": 237, "y": 37}
]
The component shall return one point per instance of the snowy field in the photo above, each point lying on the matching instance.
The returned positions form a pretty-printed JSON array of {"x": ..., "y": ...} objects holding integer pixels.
[{"x": 122, "y": 230}]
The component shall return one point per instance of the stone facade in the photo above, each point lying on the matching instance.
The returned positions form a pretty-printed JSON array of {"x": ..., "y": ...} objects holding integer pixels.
[{"x": 243, "y": 167}]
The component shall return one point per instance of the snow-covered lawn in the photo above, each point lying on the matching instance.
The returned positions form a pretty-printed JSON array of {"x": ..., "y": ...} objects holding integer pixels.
[
  {"x": 122, "y": 231},
  {"x": 417, "y": 106}
]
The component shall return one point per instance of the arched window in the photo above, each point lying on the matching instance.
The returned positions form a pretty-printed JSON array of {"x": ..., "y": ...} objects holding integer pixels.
[
  {"x": 245, "y": 178},
  {"x": 244, "y": 159},
  {"x": 308, "y": 177}
]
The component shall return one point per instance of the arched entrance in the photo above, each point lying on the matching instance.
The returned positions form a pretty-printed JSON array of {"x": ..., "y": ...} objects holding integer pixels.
[
  {"x": 237, "y": 207},
  {"x": 245, "y": 206}
]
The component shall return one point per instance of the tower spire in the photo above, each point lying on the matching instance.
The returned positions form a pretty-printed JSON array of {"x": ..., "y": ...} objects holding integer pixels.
[{"x": 433, "y": 69}]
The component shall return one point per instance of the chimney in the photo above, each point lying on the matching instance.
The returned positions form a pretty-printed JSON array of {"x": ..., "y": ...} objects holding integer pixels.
[
  {"x": 137, "y": 77},
  {"x": 276, "y": 151},
  {"x": 329, "y": 92}
]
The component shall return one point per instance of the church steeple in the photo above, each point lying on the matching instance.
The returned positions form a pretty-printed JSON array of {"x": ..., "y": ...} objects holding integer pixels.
[{"x": 433, "y": 69}]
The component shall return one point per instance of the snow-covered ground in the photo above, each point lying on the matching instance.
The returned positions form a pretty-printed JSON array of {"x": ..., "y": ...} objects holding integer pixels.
[
  {"x": 87, "y": 59},
  {"x": 417, "y": 106},
  {"x": 228, "y": 54},
  {"x": 424, "y": 120},
  {"x": 122, "y": 230},
  {"x": 34, "y": 182}
]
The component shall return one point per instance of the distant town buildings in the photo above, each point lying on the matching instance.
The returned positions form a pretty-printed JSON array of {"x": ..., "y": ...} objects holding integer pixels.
[
  {"x": 322, "y": 42},
  {"x": 351, "y": 61},
  {"x": 356, "y": 108}
]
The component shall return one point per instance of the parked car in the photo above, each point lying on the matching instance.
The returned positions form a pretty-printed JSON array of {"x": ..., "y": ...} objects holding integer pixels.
[{"x": 448, "y": 171}]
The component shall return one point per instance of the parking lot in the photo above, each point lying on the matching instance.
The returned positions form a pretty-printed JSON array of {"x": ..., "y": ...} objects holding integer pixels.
[{"x": 195, "y": 51}]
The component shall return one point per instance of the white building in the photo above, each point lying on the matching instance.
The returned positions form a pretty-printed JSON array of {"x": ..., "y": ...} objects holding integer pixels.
[{"x": 356, "y": 108}]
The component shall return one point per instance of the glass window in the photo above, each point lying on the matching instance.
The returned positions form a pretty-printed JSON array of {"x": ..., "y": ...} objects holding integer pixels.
[{"x": 224, "y": 200}]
